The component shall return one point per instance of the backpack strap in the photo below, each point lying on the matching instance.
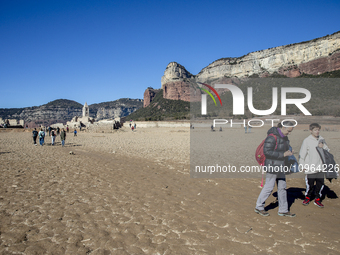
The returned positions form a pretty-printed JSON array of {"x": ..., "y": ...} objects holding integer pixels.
[{"x": 275, "y": 140}]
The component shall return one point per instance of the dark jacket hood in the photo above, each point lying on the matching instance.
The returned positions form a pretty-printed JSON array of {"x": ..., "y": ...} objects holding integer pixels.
[{"x": 273, "y": 131}]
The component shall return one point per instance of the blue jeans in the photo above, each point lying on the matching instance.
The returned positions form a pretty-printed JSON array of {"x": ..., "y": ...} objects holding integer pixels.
[
  {"x": 62, "y": 142},
  {"x": 41, "y": 140}
]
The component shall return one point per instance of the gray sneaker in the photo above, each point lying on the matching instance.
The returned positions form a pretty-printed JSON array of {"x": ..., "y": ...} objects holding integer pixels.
[
  {"x": 261, "y": 212},
  {"x": 287, "y": 214}
]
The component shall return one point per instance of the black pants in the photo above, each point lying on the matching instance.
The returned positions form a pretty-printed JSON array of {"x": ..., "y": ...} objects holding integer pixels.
[
  {"x": 34, "y": 139},
  {"x": 318, "y": 179}
]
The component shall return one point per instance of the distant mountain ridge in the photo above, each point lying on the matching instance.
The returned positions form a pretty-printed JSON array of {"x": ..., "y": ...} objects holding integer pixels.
[{"x": 63, "y": 110}]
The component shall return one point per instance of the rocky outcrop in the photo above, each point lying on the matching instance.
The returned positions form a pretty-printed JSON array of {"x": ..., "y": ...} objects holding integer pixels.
[
  {"x": 149, "y": 94},
  {"x": 312, "y": 57},
  {"x": 321, "y": 65},
  {"x": 175, "y": 82},
  {"x": 111, "y": 113},
  {"x": 114, "y": 109},
  {"x": 177, "y": 90},
  {"x": 175, "y": 72}
]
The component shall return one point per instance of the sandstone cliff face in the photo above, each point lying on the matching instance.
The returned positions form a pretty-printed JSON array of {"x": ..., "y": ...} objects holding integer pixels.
[
  {"x": 313, "y": 57},
  {"x": 177, "y": 90},
  {"x": 103, "y": 113},
  {"x": 114, "y": 109},
  {"x": 149, "y": 94},
  {"x": 175, "y": 72}
]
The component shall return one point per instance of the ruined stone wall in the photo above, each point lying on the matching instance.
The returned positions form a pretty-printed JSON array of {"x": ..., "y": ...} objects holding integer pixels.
[{"x": 162, "y": 124}]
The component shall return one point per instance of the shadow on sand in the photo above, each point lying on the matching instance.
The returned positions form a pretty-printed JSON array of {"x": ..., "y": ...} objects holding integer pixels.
[
  {"x": 299, "y": 193},
  {"x": 66, "y": 144}
]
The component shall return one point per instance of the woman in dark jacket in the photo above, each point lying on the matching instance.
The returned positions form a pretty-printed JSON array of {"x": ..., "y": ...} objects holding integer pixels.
[
  {"x": 63, "y": 137},
  {"x": 276, "y": 151}
]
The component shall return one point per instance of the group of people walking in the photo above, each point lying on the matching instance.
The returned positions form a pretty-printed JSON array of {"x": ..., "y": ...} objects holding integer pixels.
[
  {"x": 133, "y": 126},
  {"x": 53, "y": 133},
  {"x": 276, "y": 148}
]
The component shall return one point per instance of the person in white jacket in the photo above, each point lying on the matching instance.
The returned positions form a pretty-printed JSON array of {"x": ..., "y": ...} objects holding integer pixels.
[{"x": 310, "y": 161}]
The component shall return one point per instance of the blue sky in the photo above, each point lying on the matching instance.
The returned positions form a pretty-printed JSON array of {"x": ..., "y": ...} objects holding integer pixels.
[{"x": 98, "y": 51}]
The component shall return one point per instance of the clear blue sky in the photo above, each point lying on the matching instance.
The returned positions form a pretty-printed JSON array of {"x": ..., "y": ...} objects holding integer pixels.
[{"x": 98, "y": 51}]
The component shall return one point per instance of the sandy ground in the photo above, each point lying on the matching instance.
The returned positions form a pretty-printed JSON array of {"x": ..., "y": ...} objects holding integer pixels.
[{"x": 131, "y": 193}]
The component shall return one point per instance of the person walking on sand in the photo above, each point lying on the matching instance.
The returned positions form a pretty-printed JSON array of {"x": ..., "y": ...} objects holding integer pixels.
[
  {"x": 35, "y": 135},
  {"x": 312, "y": 165},
  {"x": 41, "y": 137},
  {"x": 75, "y": 132},
  {"x": 276, "y": 151},
  {"x": 53, "y": 135},
  {"x": 63, "y": 137}
]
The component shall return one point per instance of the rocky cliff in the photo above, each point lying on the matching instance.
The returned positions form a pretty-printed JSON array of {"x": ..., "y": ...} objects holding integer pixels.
[
  {"x": 312, "y": 57},
  {"x": 149, "y": 95},
  {"x": 113, "y": 109},
  {"x": 111, "y": 113},
  {"x": 175, "y": 72}
]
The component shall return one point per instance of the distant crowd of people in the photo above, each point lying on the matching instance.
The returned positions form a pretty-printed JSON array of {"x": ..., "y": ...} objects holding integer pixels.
[
  {"x": 53, "y": 133},
  {"x": 132, "y": 126}
]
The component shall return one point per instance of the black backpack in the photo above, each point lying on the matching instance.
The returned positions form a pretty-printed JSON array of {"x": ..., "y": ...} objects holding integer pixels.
[{"x": 331, "y": 170}]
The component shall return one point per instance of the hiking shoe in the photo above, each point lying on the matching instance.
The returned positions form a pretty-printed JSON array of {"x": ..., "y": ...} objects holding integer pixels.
[
  {"x": 317, "y": 202},
  {"x": 306, "y": 201},
  {"x": 287, "y": 214},
  {"x": 261, "y": 212}
]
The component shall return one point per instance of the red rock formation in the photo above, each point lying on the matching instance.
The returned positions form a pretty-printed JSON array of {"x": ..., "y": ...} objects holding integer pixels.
[
  {"x": 177, "y": 90},
  {"x": 314, "y": 67},
  {"x": 149, "y": 94},
  {"x": 291, "y": 71},
  {"x": 321, "y": 65}
]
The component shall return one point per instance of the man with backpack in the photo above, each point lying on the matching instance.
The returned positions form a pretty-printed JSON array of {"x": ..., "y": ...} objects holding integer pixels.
[
  {"x": 41, "y": 137},
  {"x": 276, "y": 151},
  {"x": 35, "y": 135}
]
